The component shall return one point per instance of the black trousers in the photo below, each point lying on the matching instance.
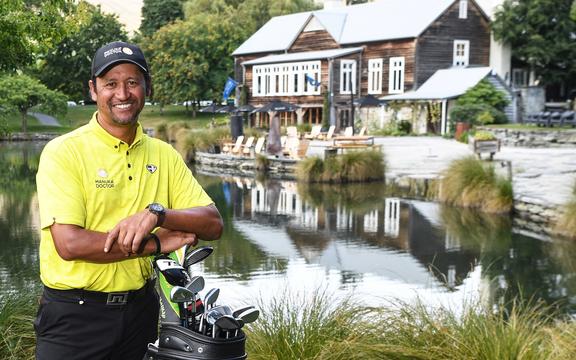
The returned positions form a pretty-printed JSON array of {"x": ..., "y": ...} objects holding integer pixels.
[{"x": 72, "y": 326}]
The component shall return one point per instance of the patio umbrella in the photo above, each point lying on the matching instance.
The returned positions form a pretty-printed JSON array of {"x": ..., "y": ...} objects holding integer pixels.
[
  {"x": 368, "y": 101},
  {"x": 277, "y": 106},
  {"x": 245, "y": 108},
  {"x": 226, "y": 109},
  {"x": 212, "y": 108}
]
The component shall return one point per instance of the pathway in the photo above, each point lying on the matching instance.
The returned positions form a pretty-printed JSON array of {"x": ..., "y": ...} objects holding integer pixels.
[{"x": 46, "y": 119}]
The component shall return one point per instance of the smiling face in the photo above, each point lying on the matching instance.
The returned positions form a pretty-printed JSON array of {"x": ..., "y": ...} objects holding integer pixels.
[{"x": 120, "y": 94}]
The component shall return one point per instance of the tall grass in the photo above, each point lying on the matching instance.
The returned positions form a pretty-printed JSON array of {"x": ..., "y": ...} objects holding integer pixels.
[
  {"x": 17, "y": 338},
  {"x": 357, "y": 166},
  {"x": 321, "y": 328},
  {"x": 566, "y": 224},
  {"x": 469, "y": 182}
]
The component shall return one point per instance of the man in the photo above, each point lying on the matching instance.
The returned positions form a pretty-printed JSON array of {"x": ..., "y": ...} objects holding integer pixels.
[{"x": 103, "y": 189}]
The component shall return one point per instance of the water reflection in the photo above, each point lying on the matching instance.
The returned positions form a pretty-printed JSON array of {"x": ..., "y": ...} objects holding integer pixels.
[{"x": 358, "y": 239}]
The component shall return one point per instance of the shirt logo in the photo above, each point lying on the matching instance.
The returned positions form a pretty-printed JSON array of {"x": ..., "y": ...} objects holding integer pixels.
[
  {"x": 151, "y": 168},
  {"x": 102, "y": 173}
]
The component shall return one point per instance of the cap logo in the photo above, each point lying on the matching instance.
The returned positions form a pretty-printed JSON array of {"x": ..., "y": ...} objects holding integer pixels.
[
  {"x": 127, "y": 51},
  {"x": 115, "y": 50}
]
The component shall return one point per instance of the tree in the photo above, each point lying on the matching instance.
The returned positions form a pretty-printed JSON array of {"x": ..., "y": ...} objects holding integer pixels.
[
  {"x": 19, "y": 93},
  {"x": 541, "y": 34},
  {"x": 157, "y": 13},
  {"x": 29, "y": 28},
  {"x": 67, "y": 67}
]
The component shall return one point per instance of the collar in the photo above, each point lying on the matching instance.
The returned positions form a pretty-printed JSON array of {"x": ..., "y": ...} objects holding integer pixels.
[{"x": 110, "y": 140}]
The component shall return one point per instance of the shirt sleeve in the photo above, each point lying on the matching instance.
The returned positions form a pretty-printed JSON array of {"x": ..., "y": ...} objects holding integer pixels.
[
  {"x": 59, "y": 185},
  {"x": 186, "y": 191}
]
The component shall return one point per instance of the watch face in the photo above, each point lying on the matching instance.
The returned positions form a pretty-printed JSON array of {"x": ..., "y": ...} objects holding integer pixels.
[{"x": 156, "y": 208}]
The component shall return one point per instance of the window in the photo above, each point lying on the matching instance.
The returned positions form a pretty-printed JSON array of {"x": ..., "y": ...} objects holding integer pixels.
[
  {"x": 396, "y": 76},
  {"x": 348, "y": 77},
  {"x": 287, "y": 79},
  {"x": 375, "y": 76},
  {"x": 520, "y": 78},
  {"x": 461, "y": 52},
  {"x": 463, "y": 10}
]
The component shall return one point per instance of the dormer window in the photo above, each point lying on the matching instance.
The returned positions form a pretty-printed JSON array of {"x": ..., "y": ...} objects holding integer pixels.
[{"x": 463, "y": 10}]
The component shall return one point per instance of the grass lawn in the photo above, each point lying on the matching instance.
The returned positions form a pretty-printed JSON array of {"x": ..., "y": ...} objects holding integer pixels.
[{"x": 150, "y": 117}]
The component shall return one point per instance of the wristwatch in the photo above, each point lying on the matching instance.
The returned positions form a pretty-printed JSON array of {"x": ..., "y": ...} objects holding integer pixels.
[{"x": 159, "y": 211}]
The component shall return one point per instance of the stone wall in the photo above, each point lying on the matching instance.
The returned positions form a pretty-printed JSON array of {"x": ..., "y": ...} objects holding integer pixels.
[{"x": 535, "y": 138}]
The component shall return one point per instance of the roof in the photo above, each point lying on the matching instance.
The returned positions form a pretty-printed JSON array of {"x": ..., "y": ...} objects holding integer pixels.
[
  {"x": 446, "y": 84},
  {"x": 375, "y": 21},
  {"x": 303, "y": 56}
]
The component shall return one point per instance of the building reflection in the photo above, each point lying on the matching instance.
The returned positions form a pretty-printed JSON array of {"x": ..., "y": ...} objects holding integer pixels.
[{"x": 399, "y": 239}]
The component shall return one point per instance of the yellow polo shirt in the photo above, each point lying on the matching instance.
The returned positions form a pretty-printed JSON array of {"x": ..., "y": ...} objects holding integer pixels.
[{"x": 91, "y": 179}]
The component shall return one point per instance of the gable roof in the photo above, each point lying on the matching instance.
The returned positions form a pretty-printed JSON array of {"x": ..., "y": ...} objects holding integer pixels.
[
  {"x": 375, "y": 21},
  {"x": 446, "y": 84}
]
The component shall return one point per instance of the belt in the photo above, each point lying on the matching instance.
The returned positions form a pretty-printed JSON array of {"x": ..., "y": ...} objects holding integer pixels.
[{"x": 97, "y": 297}]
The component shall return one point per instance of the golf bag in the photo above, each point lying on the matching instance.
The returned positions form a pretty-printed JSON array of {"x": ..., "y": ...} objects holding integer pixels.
[
  {"x": 177, "y": 340},
  {"x": 179, "y": 343}
]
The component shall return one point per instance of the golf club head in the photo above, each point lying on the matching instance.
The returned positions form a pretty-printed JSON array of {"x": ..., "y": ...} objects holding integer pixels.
[
  {"x": 212, "y": 316},
  {"x": 211, "y": 297},
  {"x": 226, "y": 323},
  {"x": 249, "y": 315},
  {"x": 222, "y": 309},
  {"x": 194, "y": 256},
  {"x": 240, "y": 310},
  {"x": 172, "y": 271},
  {"x": 180, "y": 294},
  {"x": 196, "y": 284}
]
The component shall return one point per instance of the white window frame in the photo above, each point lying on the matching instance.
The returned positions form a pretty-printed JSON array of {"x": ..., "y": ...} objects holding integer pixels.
[
  {"x": 375, "y": 76},
  {"x": 520, "y": 77},
  {"x": 461, "y": 55},
  {"x": 396, "y": 75},
  {"x": 286, "y": 79},
  {"x": 347, "y": 74},
  {"x": 463, "y": 9}
]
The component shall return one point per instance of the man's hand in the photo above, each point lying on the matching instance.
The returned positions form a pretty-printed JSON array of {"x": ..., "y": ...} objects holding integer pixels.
[
  {"x": 130, "y": 232},
  {"x": 172, "y": 240}
]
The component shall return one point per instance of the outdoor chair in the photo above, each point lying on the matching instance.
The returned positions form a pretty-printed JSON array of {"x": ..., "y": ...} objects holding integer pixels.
[
  {"x": 259, "y": 145},
  {"x": 349, "y": 131},
  {"x": 247, "y": 147},
  {"x": 555, "y": 119},
  {"x": 568, "y": 118},
  {"x": 292, "y": 131},
  {"x": 290, "y": 148},
  {"x": 362, "y": 131},
  {"x": 314, "y": 132},
  {"x": 531, "y": 119},
  {"x": 544, "y": 119},
  {"x": 228, "y": 147}
]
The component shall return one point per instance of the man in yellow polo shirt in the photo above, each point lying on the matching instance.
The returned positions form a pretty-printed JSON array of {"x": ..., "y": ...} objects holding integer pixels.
[{"x": 103, "y": 189}]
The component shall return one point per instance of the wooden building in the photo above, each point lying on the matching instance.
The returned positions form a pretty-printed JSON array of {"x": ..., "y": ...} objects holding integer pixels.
[{"x": 336, "y": 55}]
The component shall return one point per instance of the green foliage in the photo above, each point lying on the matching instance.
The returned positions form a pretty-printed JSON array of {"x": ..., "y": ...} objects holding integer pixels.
[
  {"x": 19, "y": 93},
  {"x": 477, "y": 114},
  {"x": 157, "y": 13},
  {"x": 73, "y": 55},
  {"x": 484, "y": 93},
  {"x": 540, "y": 32},
  {"x": 325, "y": 108},
  {"x": 469, "y": 182},
  {"x": 295, "y": 326},
  {"x": 355, "y": 166},
  {"x": 566, "y": 224},
  {"x": 484, "y": 135},
  {"x": 404, "y": 127},
  {"x": 30, "y": 28},
  {"x": 17, "y": 338}
]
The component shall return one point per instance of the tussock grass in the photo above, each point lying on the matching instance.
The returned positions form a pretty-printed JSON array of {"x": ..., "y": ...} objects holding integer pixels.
[
  {"x": 320, "y": 328},
  {"x": 566, "y": 224},
  {"x": 357, "y": 166},
  {"x": 469, "y": 182},
  {"x": 17, "y": 338},
  {"x": 188, "y": 141}
]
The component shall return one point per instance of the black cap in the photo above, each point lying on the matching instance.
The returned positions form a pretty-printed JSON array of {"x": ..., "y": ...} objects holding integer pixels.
[{"x": 118, "y": 52}]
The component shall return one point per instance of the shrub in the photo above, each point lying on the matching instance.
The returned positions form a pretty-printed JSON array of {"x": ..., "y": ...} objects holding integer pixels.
[
  {"x": 484, "y": 135},
  {"x": 469, "y": 182},
  {"x": 404, "y": 127},
  {"x": 357, "y": 166},
  {"x": 477, "y": 114},
  {"x": 484, "y": 93}
]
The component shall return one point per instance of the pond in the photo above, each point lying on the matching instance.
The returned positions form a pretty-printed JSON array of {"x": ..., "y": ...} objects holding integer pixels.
[{"x": 287, "y": 239}]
